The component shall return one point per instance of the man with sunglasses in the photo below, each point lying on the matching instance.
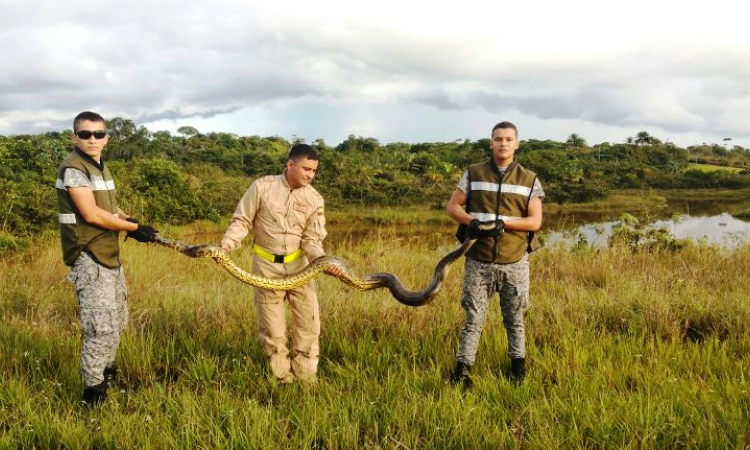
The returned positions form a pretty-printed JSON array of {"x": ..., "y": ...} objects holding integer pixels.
[
  {"x": 90, "y": 222},
  {"x": 286, "y": 214}
]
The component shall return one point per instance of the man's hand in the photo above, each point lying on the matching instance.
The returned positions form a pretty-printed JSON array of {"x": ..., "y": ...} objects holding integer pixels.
[
  {"x": 499, "y": 228},
  {"x": 472, "y": 230},
  {"x": 334, "y": 271},
  {"x": 490, "y": 228},
  {"x": 144, "y": 233}
]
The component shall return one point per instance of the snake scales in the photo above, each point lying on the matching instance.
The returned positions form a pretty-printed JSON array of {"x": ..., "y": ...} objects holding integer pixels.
[{"x": 367, "y": 282}]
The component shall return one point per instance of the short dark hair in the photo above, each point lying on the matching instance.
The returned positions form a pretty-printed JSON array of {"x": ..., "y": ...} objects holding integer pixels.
[
  {"x": 303, "y": 150},
  {"x": 90, "y": 116},
  {"x": 504, "y": 125}
]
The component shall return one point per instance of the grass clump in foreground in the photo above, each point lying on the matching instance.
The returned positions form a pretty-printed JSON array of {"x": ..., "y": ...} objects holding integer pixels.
[{"x": 626, "y": 349}]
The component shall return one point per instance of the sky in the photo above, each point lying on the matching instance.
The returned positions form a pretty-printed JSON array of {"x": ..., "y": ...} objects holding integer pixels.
[{"x": 397, "y": 71}]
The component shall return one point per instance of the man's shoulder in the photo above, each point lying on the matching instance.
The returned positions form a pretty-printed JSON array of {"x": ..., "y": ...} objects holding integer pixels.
[
  {"x": 70, "y": 159},
  {"x": 479, "y": 164},
  {"x": 522, "y": 168},
  {"x": 267, "y": 179},
  {"x": 264, "y": 183},
  {"x": 314, "y": 194},
  {"x": 475, "y": 169}
]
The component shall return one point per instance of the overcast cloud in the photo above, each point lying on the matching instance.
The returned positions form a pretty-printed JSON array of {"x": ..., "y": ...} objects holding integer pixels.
[{"x": 392, "y": 70}]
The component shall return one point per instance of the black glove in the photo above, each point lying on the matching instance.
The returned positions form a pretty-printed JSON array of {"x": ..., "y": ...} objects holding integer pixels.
[
  {"x": 473, "y": 231},
  {"x": 144, "y": 233},
  {"x": 499, "y": 228}
]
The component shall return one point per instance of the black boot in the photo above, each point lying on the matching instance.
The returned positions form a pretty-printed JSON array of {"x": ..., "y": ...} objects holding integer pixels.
[
  {"x": 110, "y": 376},
  {"x": 94, "y": 395},
  {"x": 517, "y": 369},
  {"x": 461, "y": 375}
]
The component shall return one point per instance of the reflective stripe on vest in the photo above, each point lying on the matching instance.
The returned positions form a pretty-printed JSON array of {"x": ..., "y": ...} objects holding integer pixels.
[
  {"x": 507, "y": 188},
  {"x": 486, "y": 217},
  {"x": 67, "y": 218}
]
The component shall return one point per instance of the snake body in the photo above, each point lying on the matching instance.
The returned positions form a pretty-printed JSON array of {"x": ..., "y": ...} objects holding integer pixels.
[{"x": 348, "y": 277}]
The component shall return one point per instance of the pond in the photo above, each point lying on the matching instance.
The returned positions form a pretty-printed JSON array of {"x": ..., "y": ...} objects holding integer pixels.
[
  {"x": 710, "y": 216},
  {"x": 722, "y": 229},
  {"x": 686, "y": 214}
]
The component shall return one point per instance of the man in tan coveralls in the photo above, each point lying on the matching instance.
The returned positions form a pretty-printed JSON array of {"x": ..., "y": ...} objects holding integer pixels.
[{"x": 286, "y": 214}]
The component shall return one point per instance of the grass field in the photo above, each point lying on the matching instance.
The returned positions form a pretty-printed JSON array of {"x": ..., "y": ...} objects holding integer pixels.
[
  {"x": 713, "y": 168},
  {"x": 626, "y": 349}
]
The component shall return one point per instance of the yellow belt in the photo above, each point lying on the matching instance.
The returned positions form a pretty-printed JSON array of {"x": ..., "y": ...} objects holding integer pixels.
[{"x": 282, "y": 259}]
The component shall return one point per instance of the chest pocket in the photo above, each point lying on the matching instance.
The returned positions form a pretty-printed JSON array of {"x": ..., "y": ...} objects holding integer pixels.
[
  {"x": 272, "y": 208},
  {"x": 298, "y": 214},
  {"x": 301, "y": 207}
]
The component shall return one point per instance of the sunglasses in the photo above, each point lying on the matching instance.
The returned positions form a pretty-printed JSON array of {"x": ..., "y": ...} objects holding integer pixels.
[{"x": 85, "y": 134}]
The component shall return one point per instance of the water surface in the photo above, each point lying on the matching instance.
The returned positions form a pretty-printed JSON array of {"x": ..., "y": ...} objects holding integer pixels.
[{"x": 721, "y": 229}]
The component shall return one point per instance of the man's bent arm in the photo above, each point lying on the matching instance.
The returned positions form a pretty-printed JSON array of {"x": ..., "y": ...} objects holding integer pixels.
[
  {"x": 532, "y": 222},
  {"x": 83, "y": 199},
  {"x": 242, "y": 220},
  {"x": 456, "y": 209}
]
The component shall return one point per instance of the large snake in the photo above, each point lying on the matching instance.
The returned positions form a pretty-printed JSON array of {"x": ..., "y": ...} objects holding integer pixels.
[{"x": 367, "y": 282}]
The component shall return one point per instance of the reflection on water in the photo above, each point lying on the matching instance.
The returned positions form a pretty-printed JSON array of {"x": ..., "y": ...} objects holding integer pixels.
[{"x": 722, "y": 229}]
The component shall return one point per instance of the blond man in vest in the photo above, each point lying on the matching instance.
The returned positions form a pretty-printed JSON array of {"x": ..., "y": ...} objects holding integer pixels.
[
  {"x": 286, "y": 215},
  {"x": 500, "y": 191},
  {"x": 90, "y": 222}
]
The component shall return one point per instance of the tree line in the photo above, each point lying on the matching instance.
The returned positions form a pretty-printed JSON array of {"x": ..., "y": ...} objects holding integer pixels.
[{"x": 179, "y": 178}]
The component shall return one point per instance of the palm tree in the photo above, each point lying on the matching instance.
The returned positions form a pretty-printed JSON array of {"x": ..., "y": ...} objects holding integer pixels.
[
  {"x": 643, "y": 138},
  {"x": 187, "y": 130},
  {"x": 576, "y": 141}
]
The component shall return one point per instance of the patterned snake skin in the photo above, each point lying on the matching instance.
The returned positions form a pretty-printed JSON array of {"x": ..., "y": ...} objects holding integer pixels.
[{"x": 367, "y": 282}]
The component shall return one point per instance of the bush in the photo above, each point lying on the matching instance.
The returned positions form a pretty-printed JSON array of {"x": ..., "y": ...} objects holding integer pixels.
[
  {"x": 10, "y": 244},
  {"x": 571, "y": 192},
  {"x": 698, "y": 179},
  {"x": 628, "y": 232},
  {"x": 155, "y": 191}
]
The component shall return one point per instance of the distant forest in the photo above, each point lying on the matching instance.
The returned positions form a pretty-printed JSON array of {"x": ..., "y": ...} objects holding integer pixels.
[{"x": 177, "y": 179}]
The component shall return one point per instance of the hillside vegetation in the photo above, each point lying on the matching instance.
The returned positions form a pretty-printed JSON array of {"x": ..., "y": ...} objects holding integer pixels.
[{"x": 177, "y": 179}]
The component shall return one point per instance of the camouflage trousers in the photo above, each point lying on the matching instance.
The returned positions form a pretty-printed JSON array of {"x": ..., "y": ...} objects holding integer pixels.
[
  {"x": 481, "y": 281},
  {"x": 102, "y": 302}
]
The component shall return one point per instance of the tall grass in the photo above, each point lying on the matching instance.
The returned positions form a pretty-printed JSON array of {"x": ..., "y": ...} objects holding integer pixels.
[
  {"x": 625, "y": 350},
  {"x": 714, "y": 168}
]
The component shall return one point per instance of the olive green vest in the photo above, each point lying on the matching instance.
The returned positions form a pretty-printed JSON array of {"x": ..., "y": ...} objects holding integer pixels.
[
  {"x": 491, "y": 196},
  {"x": 76, "y": 234}
]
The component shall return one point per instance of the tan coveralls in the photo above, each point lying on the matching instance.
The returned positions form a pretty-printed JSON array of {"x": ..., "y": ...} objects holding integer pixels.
[{"x": 283, "y": 221}]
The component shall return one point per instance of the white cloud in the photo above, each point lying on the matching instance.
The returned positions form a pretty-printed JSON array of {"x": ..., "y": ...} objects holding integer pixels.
[{"x": 392, "y": 69}]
